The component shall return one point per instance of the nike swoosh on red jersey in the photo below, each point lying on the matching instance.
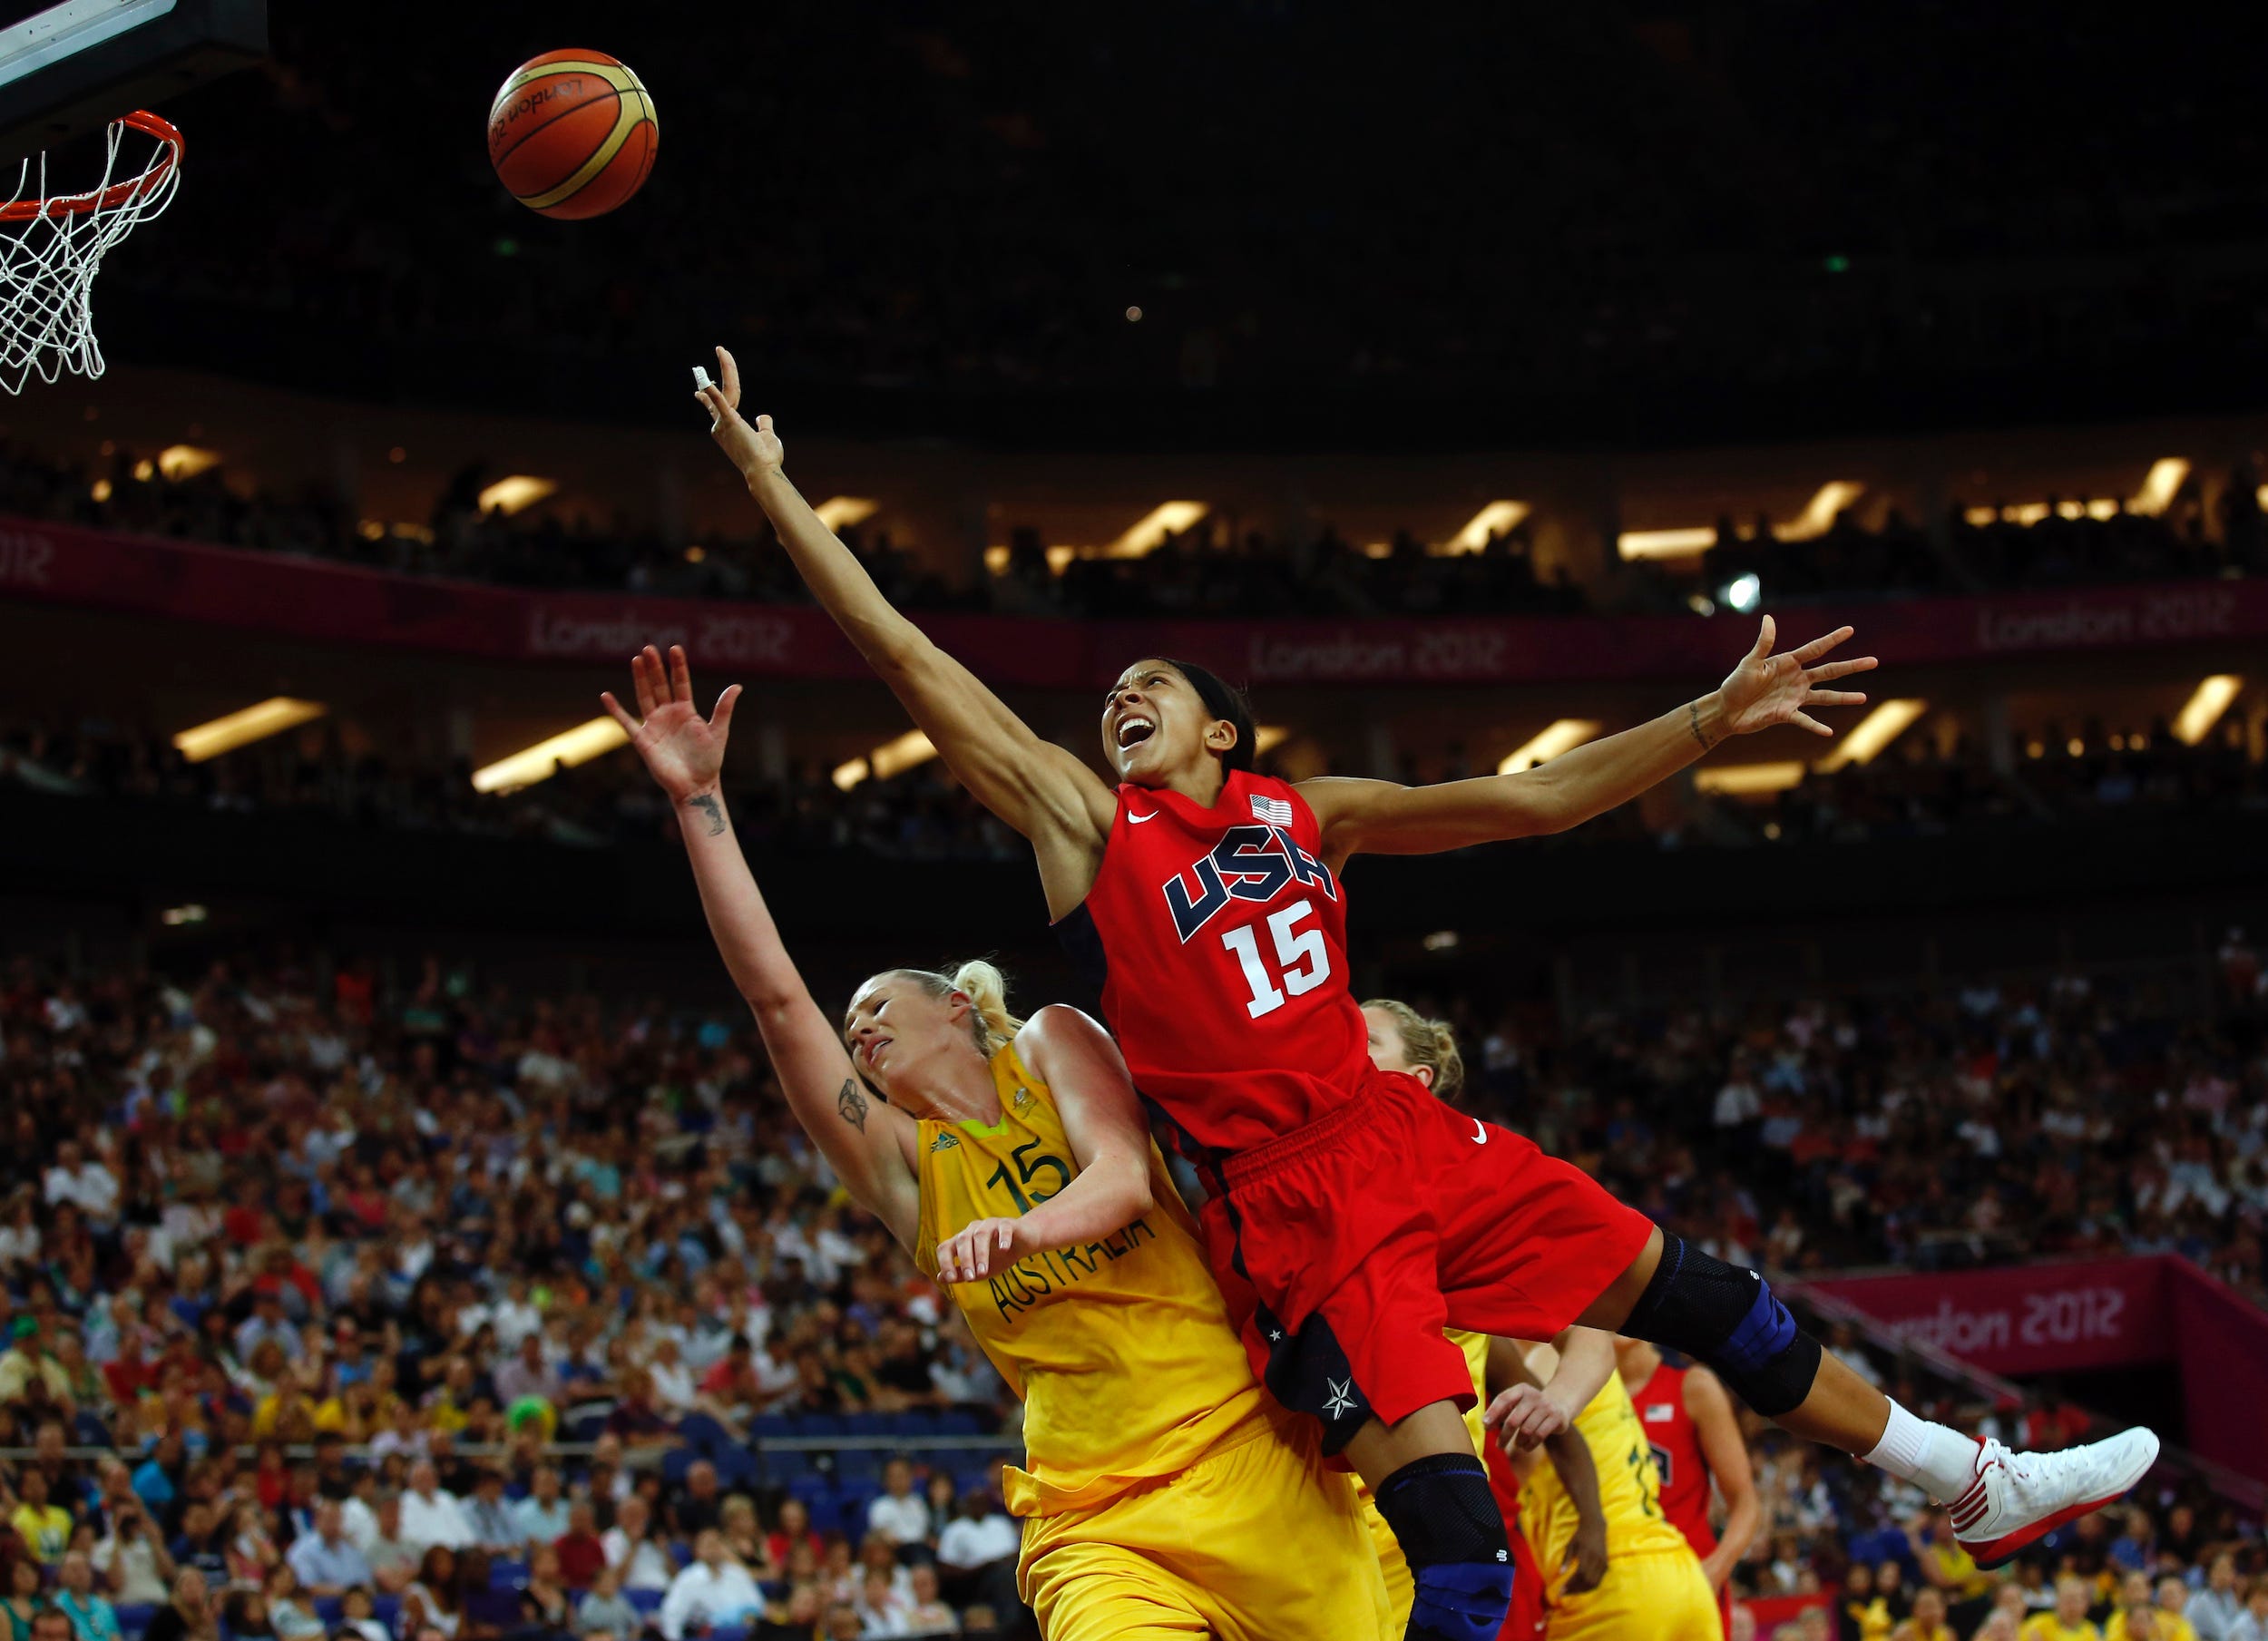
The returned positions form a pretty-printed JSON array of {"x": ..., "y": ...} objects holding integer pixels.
[
  {"x": 1138, "y": 820},
  {"x": 1480, "y": 1132}
]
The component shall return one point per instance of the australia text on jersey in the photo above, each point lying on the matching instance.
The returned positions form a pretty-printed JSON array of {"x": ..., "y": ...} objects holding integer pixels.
[
  {"x": 1248, "y": 864},
  {"x": 1033, "y": 1279}
]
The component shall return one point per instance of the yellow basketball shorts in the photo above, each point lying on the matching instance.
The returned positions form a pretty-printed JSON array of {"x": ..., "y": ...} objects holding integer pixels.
[
  {"x": 1401, "y": 1590},
  {"x": 1255, "y": 1543},
  {"x": 1660, "y": 1596}
]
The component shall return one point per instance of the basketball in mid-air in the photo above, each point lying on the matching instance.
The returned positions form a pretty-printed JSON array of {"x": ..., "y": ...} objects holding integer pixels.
[{"x": 573, "y": 133}]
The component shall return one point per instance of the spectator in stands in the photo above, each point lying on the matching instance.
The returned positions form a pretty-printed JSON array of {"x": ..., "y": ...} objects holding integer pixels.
[
  {"x": 325, "y": 1561},
  {"x": 431, "y": 1515},
  {"x": 900, "y": 1514},
  {"x": 252, "y": 1551},
  {"x": 546, "y": 1606},
  {"x": 203, "y": 1544},
  {"x": 2253, "y": 1625},
  {"x": 191, "y": 1613},
  {"x": 93, "y": 1618},
  {"x": 542, "y": 1518},
  {"x": 130, "y": 1557},
  {"x": 21, "y": 1603},
  {"x": 291, "y": 1613},
  {"x": 700, "y": 1507},
  {"x": 743, "y": 1539},
  {"x": 44, "y": 1528},
  {"x": 391, "y": 1558},
  {"x": 432, "y": 1601},
  {"x": 976, "y": 1552},
  {"x": 1928, "y": 1622},
  {"x": 51, "y": 1623},
  {"x": 606, "y": 1614},
  {"x": 493, "y": 1520},
  {"x": 2214, "y": 1611},
  {"x": 927, "y": 1613},
  {"x": 359, "y": 1616},
  {"x": 637, "y": 1560},
  {"x": 712, "y": 1591},
  {"x": 2068, "y": 1620},
  {"x": 582, "y": 1552}
]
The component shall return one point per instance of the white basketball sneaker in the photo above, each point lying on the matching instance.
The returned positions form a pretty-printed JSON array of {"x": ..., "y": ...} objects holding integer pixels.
[{"x": 2017, "y": 1498}]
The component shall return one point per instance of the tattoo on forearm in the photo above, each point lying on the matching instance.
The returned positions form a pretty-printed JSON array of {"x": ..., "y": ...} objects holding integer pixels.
[
  {"x": 709, "y": 806},
  {"x": 852, "y": 1104},
  {"x": 1693, "y": 722}
]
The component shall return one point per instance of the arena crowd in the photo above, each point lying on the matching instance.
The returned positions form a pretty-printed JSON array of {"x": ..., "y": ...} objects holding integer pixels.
[{"x": 368, "y": 1312}]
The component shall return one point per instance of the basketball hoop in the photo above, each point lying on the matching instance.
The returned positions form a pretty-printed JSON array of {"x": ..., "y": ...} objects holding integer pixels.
[{"x": 51, "y": 246}]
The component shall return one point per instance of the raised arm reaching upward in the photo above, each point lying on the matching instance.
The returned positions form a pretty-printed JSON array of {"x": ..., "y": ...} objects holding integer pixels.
[
  {"x": 869, "y": 1144},
  {"x": 1036, "y": 787}
]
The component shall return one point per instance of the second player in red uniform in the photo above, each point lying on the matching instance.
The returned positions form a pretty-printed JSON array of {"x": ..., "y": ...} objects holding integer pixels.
[
  {"x": 1353, "y": 1216},
  {"x": 1694, "y": 1433}
]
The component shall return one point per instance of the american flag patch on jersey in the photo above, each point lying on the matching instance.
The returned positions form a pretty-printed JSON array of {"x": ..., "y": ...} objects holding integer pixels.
[{"x": 1273, "y": 810}]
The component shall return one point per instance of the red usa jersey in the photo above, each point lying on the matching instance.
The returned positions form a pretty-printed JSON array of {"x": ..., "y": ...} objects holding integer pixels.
[
  {"x": 1661, "y": 1405},
  {"x": 1215, "y": 940}
]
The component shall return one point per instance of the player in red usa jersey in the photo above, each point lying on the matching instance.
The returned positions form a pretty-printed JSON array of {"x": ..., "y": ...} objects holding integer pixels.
[
  {"x": 1352, "y": 1216},
  {"x": 1696, "y": 1438}
]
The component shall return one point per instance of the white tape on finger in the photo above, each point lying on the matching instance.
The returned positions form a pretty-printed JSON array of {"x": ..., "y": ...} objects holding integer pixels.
[{"x": 701, "y": 383}]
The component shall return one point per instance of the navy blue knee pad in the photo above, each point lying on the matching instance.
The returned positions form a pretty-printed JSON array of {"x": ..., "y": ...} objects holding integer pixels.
[
  {"x": 1452, "y": 1534},
  {"x": 1729, "y": 1317}
]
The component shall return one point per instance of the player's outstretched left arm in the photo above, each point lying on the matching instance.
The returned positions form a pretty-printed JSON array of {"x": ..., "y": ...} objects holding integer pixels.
[
  {"x": 1109, "y": 1143},
  {"x": 1381, "y": 817}
]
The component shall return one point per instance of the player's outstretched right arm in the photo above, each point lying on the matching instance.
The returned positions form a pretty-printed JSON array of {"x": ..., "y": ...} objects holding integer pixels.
[
  {"x": 869, "y": 1144},
  {"x": 1036, "y": 787}
]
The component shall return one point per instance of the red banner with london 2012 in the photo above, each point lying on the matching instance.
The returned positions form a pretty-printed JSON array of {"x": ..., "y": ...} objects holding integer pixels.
[{"x": 324, "y": 600}]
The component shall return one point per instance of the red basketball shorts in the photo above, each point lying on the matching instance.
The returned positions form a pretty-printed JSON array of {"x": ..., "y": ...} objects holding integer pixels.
[{"x": 1347, "y": 1246}]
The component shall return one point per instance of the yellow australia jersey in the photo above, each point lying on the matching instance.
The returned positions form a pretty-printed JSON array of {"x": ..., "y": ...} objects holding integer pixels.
[
  {"x": 1630, "y": 1490},
  {"x": 1120, "y": 1350}
]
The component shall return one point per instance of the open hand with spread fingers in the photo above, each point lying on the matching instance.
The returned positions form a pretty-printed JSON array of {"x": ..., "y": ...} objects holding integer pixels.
[
  {"x": 1765, "y": 689},
  {"x": 683, "y": 751}
]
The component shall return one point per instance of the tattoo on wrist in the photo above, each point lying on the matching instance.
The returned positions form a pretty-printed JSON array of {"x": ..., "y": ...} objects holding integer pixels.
[
  {"x": 1693, "y": 722},
  {"x": 852, "y": 1104},
  {"x": 707, "y": 803}
]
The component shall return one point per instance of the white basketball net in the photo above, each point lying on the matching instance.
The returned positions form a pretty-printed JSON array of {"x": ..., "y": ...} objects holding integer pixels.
[{"x": 51, "y": 246}]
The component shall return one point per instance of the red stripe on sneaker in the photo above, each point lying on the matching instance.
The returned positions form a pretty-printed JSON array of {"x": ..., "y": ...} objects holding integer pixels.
[{"x": 1994, "y": 1552}]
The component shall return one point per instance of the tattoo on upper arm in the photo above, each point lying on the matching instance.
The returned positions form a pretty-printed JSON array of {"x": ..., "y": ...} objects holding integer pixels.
[
  {"x": 710, "y": 807},
  {"x": 1693, "y": 722},
  {"x": 852, "y": 1104}
]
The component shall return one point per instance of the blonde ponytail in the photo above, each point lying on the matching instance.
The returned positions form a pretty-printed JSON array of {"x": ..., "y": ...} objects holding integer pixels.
[
  {"x": 986, "y": 988},
  {"x": 1431, "y": 1043}
]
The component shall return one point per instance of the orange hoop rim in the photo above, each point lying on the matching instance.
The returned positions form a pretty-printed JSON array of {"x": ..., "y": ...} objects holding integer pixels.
[{"x": 117, "y": 193}]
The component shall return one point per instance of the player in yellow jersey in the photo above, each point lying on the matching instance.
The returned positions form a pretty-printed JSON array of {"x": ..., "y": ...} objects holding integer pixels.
[
  {"x": 1165, "y": 1497},
  {"x": 1654, "y": 1590},
  {"x": 1402, "y": 1039}
]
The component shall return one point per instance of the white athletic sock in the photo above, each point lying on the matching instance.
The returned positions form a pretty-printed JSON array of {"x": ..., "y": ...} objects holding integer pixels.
[{"x": 1936, "y": 1457}]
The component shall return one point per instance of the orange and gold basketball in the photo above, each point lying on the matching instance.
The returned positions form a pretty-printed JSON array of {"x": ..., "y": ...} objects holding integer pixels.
[{"x": 572, "y": 134}]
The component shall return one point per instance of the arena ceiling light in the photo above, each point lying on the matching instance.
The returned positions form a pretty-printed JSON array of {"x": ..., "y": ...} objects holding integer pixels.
[
  {"x": 585, "y": 741},
  {"x": 1168, "y": 518},
  {"x": 515, "y": 493},
  {"x": 2205, "y": 707},
  {"x": 1267, "y": 737},
  {"x": 1873, "y": 732},
  {"x": 1818, "y": 517},
  {"x": 1750, "y": 780},
  {"x": 2160, "y": 486},
  {"x": 242, "y": 727},
  {"x": 1493, "y": 520},
  {"x": 839, "y": 513},
  {"x": 892, "y": 757},
  {"x": 1665, "y": 544},
  {"x": 1564, "y": 736},
  {"x": 178, "y": 462}
]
